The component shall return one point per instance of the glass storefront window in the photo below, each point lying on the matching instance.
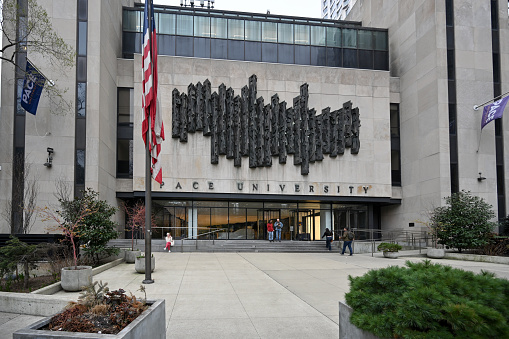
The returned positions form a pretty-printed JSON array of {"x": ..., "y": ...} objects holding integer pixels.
[
  {"x": 185, "y": 25},
  {"x": 269, "y": 31},
  {"x": 235, "y": 29},
  {"x": 317, "y": 36},
  {"x": 350, "y": 38},
  {"x": 253, "y": 30},
  {"x": 365, "y": 39},
  {"x": 201, "y": 26},
  {"x": 333, "y": 37},
  {"x": 218, "y": 28},
  {"x": 166, "y": 23},
  {"x": 285, "y": 33},
  {"x": 302, "y": 35}
]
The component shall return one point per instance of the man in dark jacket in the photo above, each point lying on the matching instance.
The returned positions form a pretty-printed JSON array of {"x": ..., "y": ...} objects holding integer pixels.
[
  {"x": 347, "y": 241},
  {"x": 328, "y": 238}
]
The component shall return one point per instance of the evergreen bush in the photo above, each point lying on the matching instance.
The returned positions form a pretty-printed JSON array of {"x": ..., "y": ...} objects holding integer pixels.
[{"x": 425, "y": 300}]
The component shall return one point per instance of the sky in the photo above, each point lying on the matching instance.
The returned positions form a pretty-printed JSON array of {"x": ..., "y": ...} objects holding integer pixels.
[{"x": 303, "y": 8}]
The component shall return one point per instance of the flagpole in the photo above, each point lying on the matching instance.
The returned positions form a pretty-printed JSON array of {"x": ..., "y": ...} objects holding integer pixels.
[
  {"x": 148, "y": 176},
  {"x": 476, "y": 107}
]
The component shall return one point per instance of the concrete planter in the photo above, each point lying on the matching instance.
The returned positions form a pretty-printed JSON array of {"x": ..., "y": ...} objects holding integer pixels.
[
  {"x": 150, "y": 324},
  {"x": 73, "y": 279},
  {"x": 391, "y": 255},
  {"x": 346, "y": 329},
  {"x": 130, "y": 256},
  {"x": 435, "y": 253},
  {"x": 139, "y": 264}
]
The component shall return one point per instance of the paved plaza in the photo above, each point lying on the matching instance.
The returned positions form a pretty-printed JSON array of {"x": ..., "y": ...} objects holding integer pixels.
[{"x": 249, "y": 295}]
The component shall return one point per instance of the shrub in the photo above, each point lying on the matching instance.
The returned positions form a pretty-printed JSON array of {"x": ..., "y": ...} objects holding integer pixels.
[
  {"x": 389, "y": 247},
  {"x": 465, "y": 221},
  {"x": 425, "y": 300}
]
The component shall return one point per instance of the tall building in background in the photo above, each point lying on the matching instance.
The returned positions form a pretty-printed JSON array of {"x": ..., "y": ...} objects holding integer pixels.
[{"x": 336, "y": 9}]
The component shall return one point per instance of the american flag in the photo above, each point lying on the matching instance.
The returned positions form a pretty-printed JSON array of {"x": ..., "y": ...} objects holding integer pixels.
[{"x": 150, "y": 85}]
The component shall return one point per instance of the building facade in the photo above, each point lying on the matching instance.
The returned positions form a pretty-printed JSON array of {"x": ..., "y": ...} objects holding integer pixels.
[
  {"x": 336, "y": 9},
  {"x": 320, "y": 123}
]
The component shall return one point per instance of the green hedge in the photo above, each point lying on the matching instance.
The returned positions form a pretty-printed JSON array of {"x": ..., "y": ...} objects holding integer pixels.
[{"x": 425, "y": 300}]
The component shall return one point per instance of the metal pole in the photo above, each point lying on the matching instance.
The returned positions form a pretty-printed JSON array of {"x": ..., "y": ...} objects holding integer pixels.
[{"x": 148, "y": 177}]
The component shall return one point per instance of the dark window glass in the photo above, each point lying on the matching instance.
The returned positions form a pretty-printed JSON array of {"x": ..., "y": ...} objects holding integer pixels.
[
  {"x": 131, "y": 21},
  {"x": 82, "y": 38},
  {"x": 365, "y": 39},
  {"x": 381, "y": 60},
  {"x": 218, "y": 49},
  {"x": 350, "y": 38},
  {"x": 450, "y": 64},
  {"x": 452, "y": 119},
  {"x": 451, "y": 90},
  {"x": 285, "y": 54},
  {"x": 333, "y": 57},
  {"x": 450, "y": 37},
  {"x": 253, "y": 51},
  {"x": 318, "y": 56},
  {"x": 449, "y": 13},
  {"x": 395, "y": 168},
  {"x": 494, "y": 14},
  {"x": 19, "y": 110},
  {"x": 165, "y": 44},
  {"x": 81, "y": 133},
  {"x": 395, "y": 120},
  {"x": 350, "y": 58},
  {"x": 184, "y": 46},
  {"x": 235, "y": 50},
  {"x": 302, "y": 55},
  {"x": 125, "y": 106},
  {"x": 129, "y": 44},
  {"x": 333, "y": 37},
  {"x": 365, "y": 59},
  {"x": 202, "y": 47},
  {"x": 80, "y": 167},
  {"x": 83, "y": 10},
  {"x": 124, "y": 158},
  {"x": 81, "y": 99},
  {"x": 269, "y": 52},
  {"x": 380, "y": 40},
  {"x": 495, "y": 43},
  {"x": 82, "y": 69}
]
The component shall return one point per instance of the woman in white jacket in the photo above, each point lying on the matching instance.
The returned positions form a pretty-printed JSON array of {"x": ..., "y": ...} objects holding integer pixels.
[{"x": 169, "y": 240}]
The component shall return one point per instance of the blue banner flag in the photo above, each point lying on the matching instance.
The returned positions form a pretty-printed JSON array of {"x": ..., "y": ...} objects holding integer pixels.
[
  {"x": 493, "y": 111},
  {"x": 32, "y": 88}
]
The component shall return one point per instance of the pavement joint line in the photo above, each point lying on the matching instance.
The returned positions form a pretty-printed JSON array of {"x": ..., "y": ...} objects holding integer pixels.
[
  {"x": 286, "y": 288},
  {"x": 237, "y": 295}
]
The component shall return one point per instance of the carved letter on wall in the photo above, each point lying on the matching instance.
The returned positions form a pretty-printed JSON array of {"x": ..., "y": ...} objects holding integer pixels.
[{"x": 243, "y": 125}]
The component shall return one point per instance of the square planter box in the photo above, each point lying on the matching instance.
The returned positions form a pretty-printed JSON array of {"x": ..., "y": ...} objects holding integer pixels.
[{"x": 150, "y": 324}]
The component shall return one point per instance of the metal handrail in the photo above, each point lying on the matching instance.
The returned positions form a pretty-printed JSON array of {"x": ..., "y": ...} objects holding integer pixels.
[{"x": 196, "y": 242}]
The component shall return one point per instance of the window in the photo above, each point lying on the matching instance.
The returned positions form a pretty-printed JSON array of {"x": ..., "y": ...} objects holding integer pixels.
[
  {"x": 236, "y": 29},
  {"x": 218, "y": 28},
  {"x": 201, "y": 26},
  {"x": 81, "y": 99},
  {"x": 302, "y": 35},
  {"x": 253, "y": 30},
  {"x": 350, "y": 38},
  {"x": 285, "y": 33},
  {"x": 269, "y": 31},
  {"x": 184, "y": 25}
]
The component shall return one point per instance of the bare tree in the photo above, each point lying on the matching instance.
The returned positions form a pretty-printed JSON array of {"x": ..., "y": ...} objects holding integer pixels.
[{"x": 27, "y": 199}]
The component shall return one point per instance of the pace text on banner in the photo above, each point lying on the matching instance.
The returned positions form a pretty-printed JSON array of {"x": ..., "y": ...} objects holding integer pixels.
[
  {"x": 150, "y": 87},
  {"x": 32, "y": 88},
  {"x": 493, "y": 111}
]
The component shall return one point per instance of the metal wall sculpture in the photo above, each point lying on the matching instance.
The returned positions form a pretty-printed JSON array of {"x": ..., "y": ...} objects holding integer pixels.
[{"x": 244, "y": 125}]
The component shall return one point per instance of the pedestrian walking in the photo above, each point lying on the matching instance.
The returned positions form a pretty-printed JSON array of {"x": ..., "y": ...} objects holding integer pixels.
[
  {"x": 278, "y": 226},
  {"x": 270, "y": 230},
  {"x": 347, "y": 237},
  {"x": 328, "y": 238}
]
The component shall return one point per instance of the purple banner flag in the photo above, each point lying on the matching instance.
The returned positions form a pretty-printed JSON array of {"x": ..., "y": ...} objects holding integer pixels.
[{"x": 493, "y": 111}]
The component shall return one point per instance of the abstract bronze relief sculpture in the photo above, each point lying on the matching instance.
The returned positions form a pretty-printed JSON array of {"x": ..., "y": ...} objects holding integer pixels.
[{"x": 244, "y": 125}]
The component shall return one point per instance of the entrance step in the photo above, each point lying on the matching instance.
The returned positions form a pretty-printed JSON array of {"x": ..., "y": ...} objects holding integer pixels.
[{"x": 230, "y": 246}]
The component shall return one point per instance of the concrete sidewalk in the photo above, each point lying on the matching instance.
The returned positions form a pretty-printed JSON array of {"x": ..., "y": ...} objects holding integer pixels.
[{"x": 249, "y": 295}]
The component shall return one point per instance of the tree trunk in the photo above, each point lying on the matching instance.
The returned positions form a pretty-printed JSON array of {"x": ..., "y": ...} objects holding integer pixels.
[{"x": 27, "y": 274}]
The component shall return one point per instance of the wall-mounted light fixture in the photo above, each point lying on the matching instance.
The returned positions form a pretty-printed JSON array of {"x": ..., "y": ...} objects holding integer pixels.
[
  {"x": 49, "y": 161},
  {"x": 481, "y": 178}
]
